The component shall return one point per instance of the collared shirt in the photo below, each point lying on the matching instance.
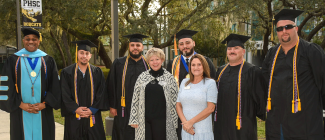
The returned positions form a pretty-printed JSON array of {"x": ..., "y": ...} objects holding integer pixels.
[
  {"x": 83, "y": 74},
  {"x": 187, "y": 58}
]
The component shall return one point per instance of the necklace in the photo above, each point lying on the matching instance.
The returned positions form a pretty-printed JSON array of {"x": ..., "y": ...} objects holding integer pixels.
[{"x": 32, "y": 76}]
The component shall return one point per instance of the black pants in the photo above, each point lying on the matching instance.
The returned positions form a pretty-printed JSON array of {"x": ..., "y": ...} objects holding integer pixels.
[
  {"x": 121, "y": 130},
  {"x": 156, "y": 129}
]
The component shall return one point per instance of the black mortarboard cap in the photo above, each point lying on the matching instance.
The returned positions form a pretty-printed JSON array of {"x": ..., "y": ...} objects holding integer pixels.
[
  {"x": 235, "y": 40},
  {"x": 135, "y": 37},
  {"x": 287, "y": 14},
  {"x": 185, "y": 34},
  {"x": 28, "y": 31},
  {"x": 84, "y": 45}
]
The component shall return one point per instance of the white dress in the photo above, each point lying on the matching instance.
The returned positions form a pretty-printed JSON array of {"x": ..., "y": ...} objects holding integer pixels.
[{"x": 194, "y": 98}]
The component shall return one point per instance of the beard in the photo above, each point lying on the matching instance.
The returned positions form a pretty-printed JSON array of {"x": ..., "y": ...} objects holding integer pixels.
[
  {"x": 288, "y": 40},
  {"x": 188, "y": 53},
  {"x": 136, "y": 55},
  {"x": 83, "y": 63}
]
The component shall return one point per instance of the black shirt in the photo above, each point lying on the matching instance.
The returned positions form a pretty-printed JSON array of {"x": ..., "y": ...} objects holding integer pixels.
[{"x": 155, "y": 101}]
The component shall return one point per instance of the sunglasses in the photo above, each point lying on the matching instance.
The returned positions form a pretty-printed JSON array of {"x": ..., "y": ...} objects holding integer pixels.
[{"x": 287, "y": 27}]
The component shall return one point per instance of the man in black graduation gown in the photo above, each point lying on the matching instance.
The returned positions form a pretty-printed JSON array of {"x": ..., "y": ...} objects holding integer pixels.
[
  {"x": 33, "y": 92},
  {"x": 294, "y": 70},
  {"x": 179, "y": 65},
  {"x": 233, "y": 120},
  {"x": 83, "y": 97},
  {"x": 125, "y": 71}
]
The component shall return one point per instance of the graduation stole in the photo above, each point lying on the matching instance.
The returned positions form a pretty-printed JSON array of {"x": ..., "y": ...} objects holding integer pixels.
[
  {"x": 16, "y": 71},
  {"x": 176, "y": 67},
  {"x": 123, "y": 79},
  {"x": 296, "y": 104},
  {"x": 92, "y": 117},
  {"x": 238, "y": 119}
]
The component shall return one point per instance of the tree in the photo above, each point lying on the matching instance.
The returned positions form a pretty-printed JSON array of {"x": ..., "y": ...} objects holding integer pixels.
[
  {"x": 89, "y": 19},
  {"x": 314, "y": 18}
]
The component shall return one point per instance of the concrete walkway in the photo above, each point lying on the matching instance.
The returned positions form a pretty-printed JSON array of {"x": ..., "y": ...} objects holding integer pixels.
[{"x": 5, "y": 127}]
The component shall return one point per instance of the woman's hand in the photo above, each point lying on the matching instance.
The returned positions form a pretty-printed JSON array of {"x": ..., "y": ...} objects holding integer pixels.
[
  {"x": 187, "y": 125},
  {"x": 134, "y": 125},
  {"x": 191, "y": 131}
]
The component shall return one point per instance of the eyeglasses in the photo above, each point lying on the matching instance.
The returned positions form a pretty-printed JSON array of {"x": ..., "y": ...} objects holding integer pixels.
[{"x": 287, "y": 27}]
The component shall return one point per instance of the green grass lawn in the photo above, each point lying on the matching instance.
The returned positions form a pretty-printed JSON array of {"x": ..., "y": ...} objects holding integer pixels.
[
  {"x": 260, "y": 129},
  {"x": 260, "y": 123}
]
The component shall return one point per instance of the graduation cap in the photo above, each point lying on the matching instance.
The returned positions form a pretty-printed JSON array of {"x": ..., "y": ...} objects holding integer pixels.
[
  {"x": 287, "y": 14},
  {"x": 235, "y": 40},
  {"x": 185, "y": 34},
  {"x": 83, "y": 45},
  {"x": 28, "y": 31},
  {"x": 135, "y": 37}
]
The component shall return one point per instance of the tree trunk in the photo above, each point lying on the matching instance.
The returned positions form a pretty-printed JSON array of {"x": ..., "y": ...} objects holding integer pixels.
[
  {"x": 266, "y": 42},
  {"x": 66, "y": 47},
  {"x": 103, "y": 54},
  {"x": 315, "y": 30},
  {"x": 124, "y": 48},
  {"x": 323, "y": 44},
  {"x": 59, "y": 48}
]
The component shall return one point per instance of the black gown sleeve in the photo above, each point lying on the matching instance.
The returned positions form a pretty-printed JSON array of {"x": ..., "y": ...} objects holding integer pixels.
[
  {"x": 107, "y": 89},
  {"x": 69, "y": 104},
  {"x": 14, "y": 99},
  {"x": 101, "y": 99},
  {"x": 265, "y": 66},
  {"x": 112, "y": 80},
  {"x": 217, "y": 74},
  {"x": 169, "y": 66},
  {"x": 259, "y": 92},
  {"x": 316, "y": 57},
  {"x": 53, "y": 93},
  {"x": 212, "y": 68}
]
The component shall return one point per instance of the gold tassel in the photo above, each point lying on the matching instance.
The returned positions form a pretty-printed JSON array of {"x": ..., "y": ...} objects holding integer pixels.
[
  {"x": 123, "y": 101},
  {"x": 175, "y": 45},
  {"x": 76, "y": 53},
  {"x": 238, "y": 123},
  {"x": 299, "y": 105},
  {"x": 40, "y": 37},
  {"x": 272, "y": 32},
  {"x": 77, "y": 116},
  {"x": 16, "y": 88},
  {"x": 269, "y": 103},
  {"x": 293, "y": 106},
  {"x": 91, "y": 121}
]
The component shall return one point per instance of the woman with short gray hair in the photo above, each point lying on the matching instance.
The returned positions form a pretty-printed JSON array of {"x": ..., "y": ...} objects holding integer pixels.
[{"x": 153, "y": 108}]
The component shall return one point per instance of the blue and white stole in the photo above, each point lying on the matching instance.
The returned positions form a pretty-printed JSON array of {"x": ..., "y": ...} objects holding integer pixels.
[
  {"x": 32, "y": 123},
  {"x": 184, "y": 63}
]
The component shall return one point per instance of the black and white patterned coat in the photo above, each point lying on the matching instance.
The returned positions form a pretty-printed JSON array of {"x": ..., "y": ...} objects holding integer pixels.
[{"x": 137, "y": 114}]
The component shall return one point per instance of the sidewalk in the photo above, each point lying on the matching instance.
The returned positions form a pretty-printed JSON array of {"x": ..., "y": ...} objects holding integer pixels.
[{"x": 5, "y": 125}]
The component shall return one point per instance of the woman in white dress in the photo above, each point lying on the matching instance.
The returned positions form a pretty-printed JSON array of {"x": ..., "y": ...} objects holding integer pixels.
[{"x": 196, "y": 101}]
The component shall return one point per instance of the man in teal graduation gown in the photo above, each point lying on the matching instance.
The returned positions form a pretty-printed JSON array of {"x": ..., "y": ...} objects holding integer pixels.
[{"x": 34, "y": 91}]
